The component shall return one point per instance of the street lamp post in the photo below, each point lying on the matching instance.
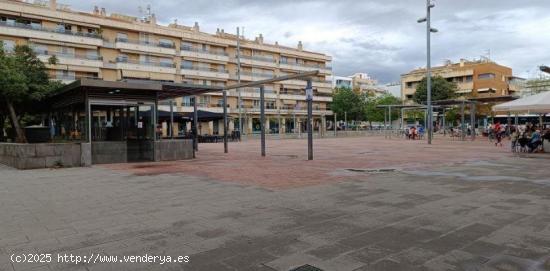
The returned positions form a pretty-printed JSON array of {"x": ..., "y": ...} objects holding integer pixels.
[{"x": 429, "y": 30}]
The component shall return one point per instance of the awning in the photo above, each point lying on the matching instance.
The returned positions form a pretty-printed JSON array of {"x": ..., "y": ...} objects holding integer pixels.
[
  {"x": 205, "y": 115},
  {"x": 539, "y": 103}
]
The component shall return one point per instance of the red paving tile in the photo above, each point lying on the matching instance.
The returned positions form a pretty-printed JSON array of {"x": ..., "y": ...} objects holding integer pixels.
[{"x": 286, "y": 164}]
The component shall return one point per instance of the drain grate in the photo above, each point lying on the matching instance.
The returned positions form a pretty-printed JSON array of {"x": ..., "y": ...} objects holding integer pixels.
[
  {"x": 379, "y": 170},
  {"x": 306, "y": 267}
]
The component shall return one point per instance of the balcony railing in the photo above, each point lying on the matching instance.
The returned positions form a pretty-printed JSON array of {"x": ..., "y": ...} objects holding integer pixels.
[
  {"x": 146, "y": 43},
  {"x": 258, "y": 58},
  {"x": 253, "y": 74},
  {"x": 42, "y": 28},
  {"x": 315, "y": 66},
  {"x": 146, "y": 63},
  {"x": 65, "y": 55},
  {"x": 200, "y": 50},
  {"x": 203, "y": 69},
  {"x": 74, "y": 77}
]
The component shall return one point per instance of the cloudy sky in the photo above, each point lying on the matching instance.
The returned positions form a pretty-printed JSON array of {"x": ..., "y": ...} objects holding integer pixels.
[{"x": 379, "y": 37}]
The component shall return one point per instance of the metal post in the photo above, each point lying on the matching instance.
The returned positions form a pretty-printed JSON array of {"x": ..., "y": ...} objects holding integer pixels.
[
  {"x": 389, "y": 120},
  {"x": 171, "y": 127},
  {"x": 462, "y": 122},
  {"x": 345, "y": 121},
  {"x": 195, "y": 124},
  {"x": 385, "y": 123},
  {"x": 309, "y": 98},
  {"x": 335, "y": 125},
  {"x": 262, "y": 120},
  {"x": 473, "y": 119},
  {"x": 225, "y": 121},
  {"x": 239, "y": 102},
  {"x": 509, "y": 124},
  {"x": 516, "y": 121},
  {"x": 428, "y": 70},
  {"x": 443, "y": 122}
]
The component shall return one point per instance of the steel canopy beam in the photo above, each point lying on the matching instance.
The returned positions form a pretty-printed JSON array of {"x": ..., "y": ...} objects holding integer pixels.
[{"x": 273, "y": 80}]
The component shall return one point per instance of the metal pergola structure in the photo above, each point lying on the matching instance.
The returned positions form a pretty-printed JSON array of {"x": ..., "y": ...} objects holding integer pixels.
[
  {"x": 261, "y": 83},
  {"x": 85, "y": 91},
  {"x": 472, "y": 102},
  {"x": 388, "y": 109}
]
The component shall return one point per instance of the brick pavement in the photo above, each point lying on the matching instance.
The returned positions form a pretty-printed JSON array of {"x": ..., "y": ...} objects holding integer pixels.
[{"x": 451, "y": 206}]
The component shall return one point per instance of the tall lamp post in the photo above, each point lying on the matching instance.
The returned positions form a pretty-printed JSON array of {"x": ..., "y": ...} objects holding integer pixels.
[{"x": 429, "y": 30}]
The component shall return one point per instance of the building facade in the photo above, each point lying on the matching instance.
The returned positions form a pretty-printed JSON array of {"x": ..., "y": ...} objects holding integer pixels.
[
  {"x": 361, "y": 82},
  {"x": 481, "y": 78},
  {"x": 117, "y": 47}
]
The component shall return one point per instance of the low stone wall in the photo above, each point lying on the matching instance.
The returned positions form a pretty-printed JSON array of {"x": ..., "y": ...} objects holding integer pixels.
[
  {"x": 109, "y": 152},
  {"x": 42, "y": 155},
  {"x": 173, "y": 150}
]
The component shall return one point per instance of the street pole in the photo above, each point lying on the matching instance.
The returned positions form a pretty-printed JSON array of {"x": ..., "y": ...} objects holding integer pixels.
[
  {"x": 195, "y": 124},
  {"x": 239, "y": 102},
  {"x": 462, "y": 120},
  {"x": 429, "y": 75},
  {"x": 389, "y": 120},
  {"x": 346, "y": 121},
  {"x": 429, "y": 30},
  {"x": 171, "y": 131},
  {"x": 225, "y": 121},
  {"x": 335, "y": 125},
  {"x": 262, "y": 120},
  {"x": 473, "y": 120},
  {"x": 443, "y": 122},
  {"x": 309, "y": 99}
]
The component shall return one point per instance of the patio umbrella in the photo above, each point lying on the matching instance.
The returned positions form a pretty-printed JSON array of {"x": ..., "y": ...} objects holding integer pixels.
[{"x": 539, "y": 103}]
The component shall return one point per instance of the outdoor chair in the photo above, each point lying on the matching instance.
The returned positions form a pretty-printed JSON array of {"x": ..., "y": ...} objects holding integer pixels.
[{"x": 522, "y": 144}]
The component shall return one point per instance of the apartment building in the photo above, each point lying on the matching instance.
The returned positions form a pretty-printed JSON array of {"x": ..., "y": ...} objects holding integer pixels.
[
  {"x": 117, "y": 47},
  {"x": 361, "y": 82},
  {"x": 481, "y": 78}
]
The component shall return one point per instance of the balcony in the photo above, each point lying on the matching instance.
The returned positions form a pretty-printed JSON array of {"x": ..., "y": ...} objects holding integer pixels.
[
  {"x": 315, "y": 83},
  {"x": 250, "y": 76},
  {"x": 305, "y": 67},
  {"x": 72, "y": 59},
  {"x": 67, "y": 79},
  {"x": 204, "y": 54},
  {"x": 126, "y": 64},
  {"x": 145, "y": 46},
  {"x": 40, "y": 32},
  {"x": 204, "y": 72},
  {"x": 257, "y": 61}
]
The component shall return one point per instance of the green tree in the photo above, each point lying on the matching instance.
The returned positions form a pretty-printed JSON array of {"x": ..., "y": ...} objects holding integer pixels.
[
  {"x": 376, "y": 114},
  {"x": 24, "y": 82},
  {"x": 441, "y": 90},
  {"x": 346, "y": 101}
]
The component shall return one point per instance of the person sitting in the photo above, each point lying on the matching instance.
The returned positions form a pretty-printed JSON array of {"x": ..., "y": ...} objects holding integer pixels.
[
  {"x": 535, "y": 141},
  {"x": 514, "y": 139}
]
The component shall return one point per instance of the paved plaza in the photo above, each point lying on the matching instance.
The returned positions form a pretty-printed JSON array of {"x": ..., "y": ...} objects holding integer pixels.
[{"x": 364, "y": 203}]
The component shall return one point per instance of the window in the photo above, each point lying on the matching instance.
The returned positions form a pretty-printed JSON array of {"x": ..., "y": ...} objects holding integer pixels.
[
  {"x": 468, "y": 78},
  {"x": 409, "y": 84},
  {"x": 92, "y": 54},
  {"x": 486, "y": 76},
  {"x": 284, "y": 59},
  {"x": 166, "y": 43},
  {"x": 186, "y": 101},
  {"x": 123, "y": 37},
  {"x": 186, "y": 46},
  {"x": 122, "y": 58},
  {"x": 166, "y": 62},
  {"x": 8, "y": 46},
  {"x": 65, "y": 75},
  {"x": 40, "y": 49},
  {"x": 67, "y": 51},
  {"x": 186, "y": 64}
]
